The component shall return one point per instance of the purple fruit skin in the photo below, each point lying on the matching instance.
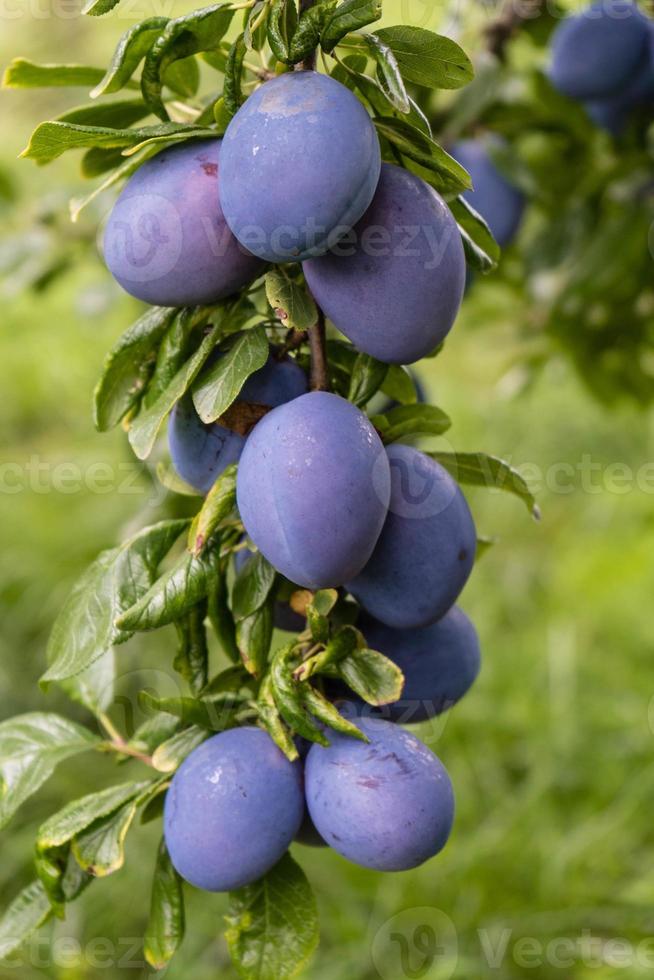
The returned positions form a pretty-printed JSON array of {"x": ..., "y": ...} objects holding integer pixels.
[
  {"x": 386, "y": 805},
  {"x": 396, "y": 288},
  {"x": 497, "y": 201},
  {"x": 313, "y": 489},
  {"x": 613, "y": 113},
  {"x": 233, "y": 808},
  {"x": 426, "y": 551},
  {"x": 440, "y": 663},
  {"x": 284, "y": 213},
  {"x": 200, "y": 453},
  {"x": 166, "y": 241},
  {"x": 597, "y": 52}
]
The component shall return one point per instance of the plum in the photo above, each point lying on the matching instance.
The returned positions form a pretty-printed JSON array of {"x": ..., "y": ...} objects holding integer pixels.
[
  {"x": 394, "y": 287},
  {"x": 613, "y": 113},
  {"x": 313, "y": 489},
  {"x": 284, "y": 211},
  {"x": 200, "y": 453},
  {"x": 440, "y": 663},
  {"x": 598, "y": 52},
  {"x": 166, "y": 241},
  {"x": 233, "y": 808},
  {"x": 426, "y": 550},
  {"x": 386, "y": 805},
  {"x": 499, "y": 203}
]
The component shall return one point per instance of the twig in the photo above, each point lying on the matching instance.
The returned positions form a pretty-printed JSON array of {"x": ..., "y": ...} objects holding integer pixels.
[
  {"x": 117, "y": 743},
  {"x": 317, "y": 346}
]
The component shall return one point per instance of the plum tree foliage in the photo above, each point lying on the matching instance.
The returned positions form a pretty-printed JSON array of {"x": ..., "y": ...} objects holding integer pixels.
[{"x": 302, "y": 235}]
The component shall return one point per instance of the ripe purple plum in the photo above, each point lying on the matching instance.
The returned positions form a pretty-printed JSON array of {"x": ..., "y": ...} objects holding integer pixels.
[
  {"x": 313, "y": 489},
  {"x": 284, "y": 214},
  {"x": 499, "y": 203},
  {"x": 233, "y": 808},
  {"x": 167, "y": 242},
  {"x": 395, "y": 285},
  {"x": 426, "y": 551}
]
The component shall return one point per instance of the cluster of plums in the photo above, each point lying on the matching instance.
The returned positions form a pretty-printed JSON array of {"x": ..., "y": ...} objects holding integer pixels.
[
  {"x": 604, "y": 58},
  {"x": 298, "y": 178}
]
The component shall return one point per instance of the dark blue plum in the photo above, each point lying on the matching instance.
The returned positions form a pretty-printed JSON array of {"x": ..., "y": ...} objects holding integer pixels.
[
  {"x": 613, "y": 113},
  {"x": 440, "y": 663},
  {"x": 598, "y": 52},
  {"x": 497, "y": 201},
  {"x": 232, "y": 810},
  {"x": 313, "y": 489},
  {"x": 200, "y": 453},
  {"x": 394, "y": 287},
  {"x": 283, "y": 211},
  {"x": 426, "y": 551},
  {"x": 386, "y": 805},
  {"x": 167, "y": 242}
]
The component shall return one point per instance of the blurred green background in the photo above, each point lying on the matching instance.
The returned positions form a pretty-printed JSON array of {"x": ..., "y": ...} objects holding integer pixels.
[{"x": 550, "y": 754}]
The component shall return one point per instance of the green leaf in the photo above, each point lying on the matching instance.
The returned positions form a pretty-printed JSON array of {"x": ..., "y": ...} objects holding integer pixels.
[
  {"x": 98, "y": 8},
  {"x": 201, "y": 30},
  {"x": 282, "y": 24},
  {"x": 233, "y": 96},
  {"x": 51, "y": 139},
  {"x": 351, "y": 15},
  {"x": 344, "y": 643},
  {"x": 174, "y": 594},
  {"x": 219, "y": 386},
  {"x": 21, "y": 73},
  {"x": 183, "y": 77},
  {"x": 215, "y": 714},
  {"x": 254, "y": 636},
  {"x": 271, "y": 720},
  {"x": 310, "y": 26},
  {"x": 288, "y": 696},
  {"x": 367, "y": 378},
  {"x": 94, "y": 687},
  {"x": 146, "y": 425},
  {"x": 481, "y": 250},
  {"x": 255, "y": 26},
  {"x": 481, "y": 470},
  {"x": 252, "y": 586},
  {"x": 222, "y": 621},
  {"x": 31, "y": 747},
  {"x": 152, "y": 733},
  {"x": 174, "y": 349},
  {"x": 318, "y": 612},
  {"x": 273, "y": 924},
  {"x": 170, "y": 754},
  {"x": 328, "y": 714},
  {"x": 117, "y": 114},
  {"x": 372, "y": 676},
  {"x": 389, "y": 73},
  {"x": 417, "y": 146},
  {"x": 192, "y": 657},
  {"x": 218, "y": 505},
  {"x": 85, "y": 628},
  {"x": 166, "y": 925},
  {"x": 426, "y": 58},
  {"x": 27, "y": 913},
  {"x": 400, "y": 385},
  {"x": 131, "y": 49},
  {"x": 411, "y": 420},
  {"x": 293, "y": 304},
  {"x": 128, "y": 368},
  {"x": 100, "y": 849}
]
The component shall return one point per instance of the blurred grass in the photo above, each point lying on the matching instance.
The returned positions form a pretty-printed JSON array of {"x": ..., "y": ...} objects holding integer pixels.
[{"x": 550, "y": 754}]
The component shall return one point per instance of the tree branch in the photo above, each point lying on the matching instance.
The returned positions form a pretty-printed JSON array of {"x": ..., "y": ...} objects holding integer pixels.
[{"x": 317, "y": 346}]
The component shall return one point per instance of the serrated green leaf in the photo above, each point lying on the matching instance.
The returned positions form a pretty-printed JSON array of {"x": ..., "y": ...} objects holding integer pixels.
[
  {"x": 27, "y": 913},
  {"x": 310, "y": 26},
  {"x": 318, "y": 612},
  {"x": 85, "y": 629},
  {"x": 482, "y": 470},
  {"x": 218, "y": 505},
  {"x": 372, "y": 676},
  {"x": 481, "y": 250},
  {"x": 351, "y": 15},
  {"x": 145, "y": 427},
  {"x": 166, "y": 925},
  {"x": 100, "y": 849},
  {"x": 219, "y": 387},
  {"x": 417, "y": 146},
  {"x": 174, "y": 594},
  {"x": 282, "y": 24},
  {"x": 131, "y": 49},
  {"x": 233, "y": 97},
  {"x": 388, "y": 73},
  {"x": 31, "y": 747},
  {"x": 192, "y": 657},
  {"x": 287, "y": 695},
  {"x": 215, "y": 714},
  {"x": 293, "y": 305},
  {"x": 21, "y": 73},
  {"x": 367, "y": 378},
  {"x": 426, "y": 58},
  {"x": 201, "y": 30},
  {"x": 254, "y": 636},
  {"x": 252, "y": 586},
  {"x": 128, "y": 368},
  {"x": 273, "y": 924},
  {"x": 50, "y": 139},
  {"x": 114, "y": 115},
  {"x": 411, "y": 420},
  {"x": 170, "y": 754}
]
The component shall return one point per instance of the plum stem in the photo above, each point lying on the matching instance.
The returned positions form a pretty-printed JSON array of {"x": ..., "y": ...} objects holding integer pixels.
[{"x": 317, "y": 346}]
